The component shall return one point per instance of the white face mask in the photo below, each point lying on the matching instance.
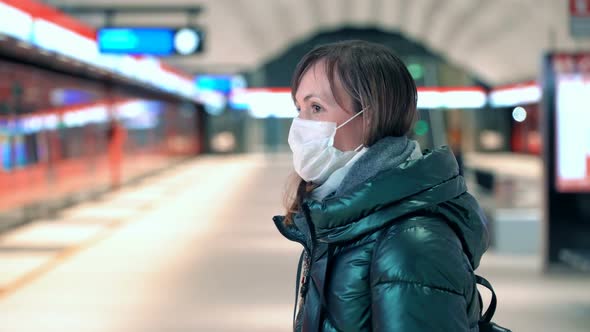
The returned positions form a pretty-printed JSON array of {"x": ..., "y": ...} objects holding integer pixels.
[{"x": 314, "y": 156}]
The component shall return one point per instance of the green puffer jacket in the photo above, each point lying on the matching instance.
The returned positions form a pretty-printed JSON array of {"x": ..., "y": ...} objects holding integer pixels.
[{"x": 397, "y": 253}]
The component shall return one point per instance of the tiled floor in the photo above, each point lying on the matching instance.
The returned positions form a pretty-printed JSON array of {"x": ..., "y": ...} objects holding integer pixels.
[{"x": 195, "y": 250}]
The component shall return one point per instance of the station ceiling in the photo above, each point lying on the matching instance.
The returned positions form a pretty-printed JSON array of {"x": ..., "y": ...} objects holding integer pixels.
[{"x": 500, "y": 41}]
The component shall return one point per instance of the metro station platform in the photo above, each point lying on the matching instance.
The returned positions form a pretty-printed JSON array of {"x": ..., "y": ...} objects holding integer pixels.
[{"x": 194, "y": 249}]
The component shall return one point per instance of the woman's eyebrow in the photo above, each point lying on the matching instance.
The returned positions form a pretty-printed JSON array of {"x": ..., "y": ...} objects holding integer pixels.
[{"x": 310, "y": 95}]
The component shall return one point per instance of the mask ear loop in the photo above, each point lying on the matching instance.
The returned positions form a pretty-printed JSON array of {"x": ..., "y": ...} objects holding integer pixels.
[
  {"x": 360, "y": 147},
  {"x": 347, "y": 121}
]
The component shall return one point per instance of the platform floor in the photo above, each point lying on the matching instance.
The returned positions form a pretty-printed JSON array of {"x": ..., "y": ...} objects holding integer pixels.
[{"x": 195, "y": 249}]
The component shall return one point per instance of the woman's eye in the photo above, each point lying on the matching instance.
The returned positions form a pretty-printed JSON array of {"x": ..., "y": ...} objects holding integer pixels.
[{"x": 316, "y": 108}]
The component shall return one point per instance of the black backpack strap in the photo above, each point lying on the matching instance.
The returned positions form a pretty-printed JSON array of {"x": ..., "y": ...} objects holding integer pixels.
[{"x": 487, "y": 316}]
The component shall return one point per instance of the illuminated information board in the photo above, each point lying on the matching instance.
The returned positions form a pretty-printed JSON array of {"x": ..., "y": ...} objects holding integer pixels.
[{"x": 150, "y": 41}]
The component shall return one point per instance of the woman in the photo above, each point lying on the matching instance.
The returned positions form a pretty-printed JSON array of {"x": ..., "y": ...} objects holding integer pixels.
[{"x": 391, "y": 237}]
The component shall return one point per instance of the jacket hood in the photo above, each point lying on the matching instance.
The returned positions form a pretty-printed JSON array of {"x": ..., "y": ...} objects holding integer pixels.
[{"x": 429, "y": 183}]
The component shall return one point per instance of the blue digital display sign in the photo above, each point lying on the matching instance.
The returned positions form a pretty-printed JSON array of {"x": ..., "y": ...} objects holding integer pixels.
[
  {"x": 136, "y": 41},
  {"x": 221, "y": 83},
  {"x": 149, "y": 41},
  {"x": 217, "y": 83}
]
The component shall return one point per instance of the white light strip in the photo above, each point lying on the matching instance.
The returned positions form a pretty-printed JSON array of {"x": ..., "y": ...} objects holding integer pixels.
[
  {"x": 130, "y": 109},
  {"x": 32, "y": 124},
  {"x": 464, "y": 99},
  {"x": 214, "y": 100},
  {"x": 516, "y": 96},
  {"x": 239, "y": 98},
  {"x": 263, "y": 104},
  {"x": 271, "y": 104},
  {"x": 36, "y": 123},
  {"x": 429, "y": 99},
  {"x": 80, "y": 117},
  {"x": 84, "y": 116},
  {"x": 15, "y": 23},
  {"x": 50, "y": 122},
  {"x": 52, "y": 37}
]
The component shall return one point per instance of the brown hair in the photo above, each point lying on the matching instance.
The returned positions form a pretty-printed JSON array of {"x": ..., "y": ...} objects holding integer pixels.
[{"x": 376, "y": 80}]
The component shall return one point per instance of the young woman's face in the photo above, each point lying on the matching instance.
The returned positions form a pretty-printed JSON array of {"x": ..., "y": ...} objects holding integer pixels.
[{"x": 315, "y": 100}]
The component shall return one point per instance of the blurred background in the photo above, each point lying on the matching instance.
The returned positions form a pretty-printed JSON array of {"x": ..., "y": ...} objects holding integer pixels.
[{"x": 143, "y": 152}]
